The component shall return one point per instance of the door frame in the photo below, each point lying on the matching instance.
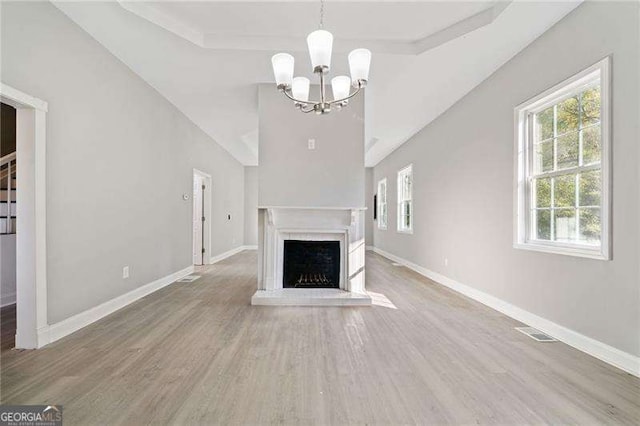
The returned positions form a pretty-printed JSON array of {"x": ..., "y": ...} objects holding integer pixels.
[
  {"x": 32, "y": 327},
  {"x": 206, "y": 227}
]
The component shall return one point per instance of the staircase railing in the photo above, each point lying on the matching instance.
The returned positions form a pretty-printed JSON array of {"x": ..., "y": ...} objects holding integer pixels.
[{"x": 7, "y": 194}]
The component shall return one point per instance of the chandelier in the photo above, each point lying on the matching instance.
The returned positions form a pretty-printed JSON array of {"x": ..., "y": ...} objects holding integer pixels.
[{"x": 320, "y": 44}]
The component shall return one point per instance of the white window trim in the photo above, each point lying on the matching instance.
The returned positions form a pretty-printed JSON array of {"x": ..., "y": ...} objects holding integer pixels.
[
  {"x": 521, "y": 162},
  {"x": 398, "y": 218},
  {"x": 379, "y": 206}
]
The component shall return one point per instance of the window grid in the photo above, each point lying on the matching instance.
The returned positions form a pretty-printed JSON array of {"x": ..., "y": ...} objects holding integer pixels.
[
  {"x": 405, "y": 201},
  {"x": 382, "y": 204},
  {"x": 557, "y": 172}
]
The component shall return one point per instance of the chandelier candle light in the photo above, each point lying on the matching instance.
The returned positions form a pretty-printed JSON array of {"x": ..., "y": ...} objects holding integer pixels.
[{"x": 320, "y": 44}]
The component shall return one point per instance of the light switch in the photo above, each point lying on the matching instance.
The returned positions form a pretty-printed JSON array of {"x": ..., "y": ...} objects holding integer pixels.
[{"x": 312, "y": 144}]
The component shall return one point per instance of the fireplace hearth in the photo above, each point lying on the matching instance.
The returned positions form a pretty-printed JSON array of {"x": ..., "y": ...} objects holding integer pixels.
[{"x": 311, "y": 264}]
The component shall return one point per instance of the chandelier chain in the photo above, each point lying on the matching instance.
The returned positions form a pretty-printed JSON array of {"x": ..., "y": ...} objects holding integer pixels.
[{"x": 321, "y": 14}]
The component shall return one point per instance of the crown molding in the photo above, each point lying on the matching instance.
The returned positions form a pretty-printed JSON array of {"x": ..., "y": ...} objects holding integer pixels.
[{"x": 296, "y": 44}]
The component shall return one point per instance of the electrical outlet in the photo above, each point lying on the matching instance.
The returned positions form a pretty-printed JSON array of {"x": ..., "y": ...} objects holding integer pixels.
[
  {"x": 312, "y": 144},
  {"x": 125, "y": 272},
  {"x": 446, "y": 261}
]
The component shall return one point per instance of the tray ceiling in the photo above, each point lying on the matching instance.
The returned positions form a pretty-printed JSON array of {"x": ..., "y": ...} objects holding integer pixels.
[{"x": 208, "y": 58}]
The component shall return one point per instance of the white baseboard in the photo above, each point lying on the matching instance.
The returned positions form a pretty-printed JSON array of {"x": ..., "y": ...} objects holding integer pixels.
[
  {"x": 250, "y": 247},
  {"x": 7, "y": 299},
  {"x": 620, "y": 359},
  {"x": 226, "y": 254},
  {"x": 65, "y": 327},
  {"x": 370, "y": 248}
]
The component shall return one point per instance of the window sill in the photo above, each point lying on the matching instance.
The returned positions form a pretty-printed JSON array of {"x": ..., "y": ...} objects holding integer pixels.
[
  {"x": 405, "y": 231},
  {"x": 595, "y": 253}
]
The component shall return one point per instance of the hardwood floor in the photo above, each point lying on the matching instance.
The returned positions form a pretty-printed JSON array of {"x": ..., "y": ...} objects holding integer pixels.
[
  {"x": 7, "y": 327},
  {"x": 198, "y": 353}
]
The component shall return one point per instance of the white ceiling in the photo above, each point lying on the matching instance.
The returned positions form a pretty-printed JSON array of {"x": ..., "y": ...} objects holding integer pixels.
[
  {"x": 208, "y": 57},
  {"x": 351, "y": 20}
]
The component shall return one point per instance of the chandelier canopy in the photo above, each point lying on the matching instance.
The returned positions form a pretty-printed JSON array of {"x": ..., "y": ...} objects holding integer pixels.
[{"x": 320, "y": 44}]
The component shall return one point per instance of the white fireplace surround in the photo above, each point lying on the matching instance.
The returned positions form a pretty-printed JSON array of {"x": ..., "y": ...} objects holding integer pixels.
[{"x": 277, "y": 224}]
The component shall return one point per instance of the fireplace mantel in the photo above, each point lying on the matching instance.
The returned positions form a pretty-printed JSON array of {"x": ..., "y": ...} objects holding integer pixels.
[{"x": 278, "y": 224}]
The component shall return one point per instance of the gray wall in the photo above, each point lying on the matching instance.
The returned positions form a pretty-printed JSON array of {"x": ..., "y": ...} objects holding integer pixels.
[
  {"x": 290, "y": 174},
  {"x": 463, "y": 173},
  {"x": 251, "y": 206},
  {"x": 119, "y": 158}
]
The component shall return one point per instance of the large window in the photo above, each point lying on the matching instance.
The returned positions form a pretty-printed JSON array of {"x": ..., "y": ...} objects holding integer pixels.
[
  {"x": 382, "y": 204},
  {"x": 405, "y": 203},
  {"x": 563, "y": 173}
]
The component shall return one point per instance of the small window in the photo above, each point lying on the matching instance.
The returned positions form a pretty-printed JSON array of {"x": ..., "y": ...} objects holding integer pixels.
[
  {"x": 405, "y": 203},
  {"x": 562, "y": 160},
  {"x": 382, "y": 204}
]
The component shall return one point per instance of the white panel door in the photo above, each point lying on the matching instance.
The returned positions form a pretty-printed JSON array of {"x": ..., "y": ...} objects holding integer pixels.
[{"x": 197, "y": 220}]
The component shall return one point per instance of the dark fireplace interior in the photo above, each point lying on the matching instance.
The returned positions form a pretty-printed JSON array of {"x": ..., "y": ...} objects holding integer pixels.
[{"x": 311, "y": 264}]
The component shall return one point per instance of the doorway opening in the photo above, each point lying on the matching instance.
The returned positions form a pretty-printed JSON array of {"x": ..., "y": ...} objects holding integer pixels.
[
  {"x": 26, "y": 219},
  {"x": 201, "y": 218},
  {"x": 8, "y": 196}
]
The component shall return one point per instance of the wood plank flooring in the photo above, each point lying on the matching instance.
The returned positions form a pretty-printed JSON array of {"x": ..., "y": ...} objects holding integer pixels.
[
  {"x": 7, "y": 327},
  {"x": 198, "y": 353}
]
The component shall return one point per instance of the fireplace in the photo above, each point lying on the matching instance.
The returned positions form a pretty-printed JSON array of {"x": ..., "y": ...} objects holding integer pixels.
[
  {"x": 311, "y": 264},
  {"x": 311, "y": 257}
]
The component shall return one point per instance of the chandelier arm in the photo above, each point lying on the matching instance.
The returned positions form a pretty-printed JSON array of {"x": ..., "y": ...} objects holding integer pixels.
[
  {"x": 337, "y": 101},
  {"x": 298, "y": 100}
]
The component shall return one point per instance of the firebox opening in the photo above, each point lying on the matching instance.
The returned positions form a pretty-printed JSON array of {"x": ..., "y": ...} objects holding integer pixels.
[{"x": 311, "y": 264}]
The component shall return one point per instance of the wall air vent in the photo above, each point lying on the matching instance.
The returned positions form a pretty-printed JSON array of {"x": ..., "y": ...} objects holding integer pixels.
[
  {"x": 536, "y": 334},
  {"x": 188, "y": 279}
]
